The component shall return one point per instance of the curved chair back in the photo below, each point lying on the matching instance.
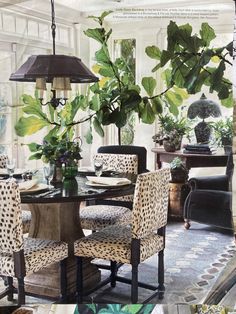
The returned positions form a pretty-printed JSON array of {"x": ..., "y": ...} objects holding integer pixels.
[
  {"x": 119, "y": 162},
  {"x": 140, "y": 151},
  {"x": 11, "y": 231},
  {"x": 3, "y": 161},
  {"x": 150, "y": 206}
]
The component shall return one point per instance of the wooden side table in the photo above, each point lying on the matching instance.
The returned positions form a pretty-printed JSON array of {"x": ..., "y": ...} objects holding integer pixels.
[{"x": 191, "y": 160}]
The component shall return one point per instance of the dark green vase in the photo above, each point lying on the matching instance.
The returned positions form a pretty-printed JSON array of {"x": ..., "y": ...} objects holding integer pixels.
[{"x": 70, "y": 171}]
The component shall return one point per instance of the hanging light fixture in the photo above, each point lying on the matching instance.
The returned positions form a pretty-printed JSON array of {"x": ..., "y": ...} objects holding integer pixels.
[{"x": 59, "y": 70}]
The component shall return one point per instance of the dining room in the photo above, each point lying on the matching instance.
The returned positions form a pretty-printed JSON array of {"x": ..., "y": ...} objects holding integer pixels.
[{"x": 117, "y": 149}]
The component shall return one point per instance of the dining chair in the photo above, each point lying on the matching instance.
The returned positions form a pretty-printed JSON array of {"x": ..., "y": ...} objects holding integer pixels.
[
  {"x": 26, "y": 214},
  {"x": 96, "y": 217},
  {"x": 134, "y": 243},
  {"x": 21, "y": 256}
]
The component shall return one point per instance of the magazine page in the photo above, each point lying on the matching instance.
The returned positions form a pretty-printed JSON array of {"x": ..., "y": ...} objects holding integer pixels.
[{"x": 141, "y": 92}]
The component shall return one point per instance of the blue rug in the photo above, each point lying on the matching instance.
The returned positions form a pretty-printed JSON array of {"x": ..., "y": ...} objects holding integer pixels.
[{"x": 194, "y": 259}]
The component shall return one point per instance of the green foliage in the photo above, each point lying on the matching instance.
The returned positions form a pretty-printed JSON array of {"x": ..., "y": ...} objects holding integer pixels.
[
  {"x": 223, "y": 131},
  {"x": 59, "y": 123},
  {"x": 114, "y": 308},
  {"x": 177, "y": 163},
  {"x": 189, "y": 58},
  {"x": 56, "y": 150}
]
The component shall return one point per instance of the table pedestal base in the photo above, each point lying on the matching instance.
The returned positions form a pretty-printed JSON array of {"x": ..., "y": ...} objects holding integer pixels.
[{"x": 58, "y": 222}]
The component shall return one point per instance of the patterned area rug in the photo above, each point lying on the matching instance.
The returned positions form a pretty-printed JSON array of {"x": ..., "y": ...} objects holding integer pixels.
[{"x": 194, "y": 259}]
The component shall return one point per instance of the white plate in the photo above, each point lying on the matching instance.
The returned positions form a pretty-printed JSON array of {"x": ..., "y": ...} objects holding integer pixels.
[
  {"x": 17, "y": 172},
  {"x": 36, "y": 188},
  {"x": 99, "y": 185}
]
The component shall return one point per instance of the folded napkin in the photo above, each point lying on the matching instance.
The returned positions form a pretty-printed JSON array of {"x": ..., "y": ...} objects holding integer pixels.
[
  {"x": 108, "y": 180},
  {"x": 26, "y": 185}
]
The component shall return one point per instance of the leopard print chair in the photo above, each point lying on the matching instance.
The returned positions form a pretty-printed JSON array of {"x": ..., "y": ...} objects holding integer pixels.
[
  {"x": 132, "y": 244},
  {"x": 3, "y": 161},
  {"x": 96, "y": 217},
  {"x": 26, "y": 214},
  {"x": 20, "y": 257}
]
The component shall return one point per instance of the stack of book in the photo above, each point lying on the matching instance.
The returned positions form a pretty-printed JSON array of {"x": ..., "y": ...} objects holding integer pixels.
[{"x": 204, "y": 149}]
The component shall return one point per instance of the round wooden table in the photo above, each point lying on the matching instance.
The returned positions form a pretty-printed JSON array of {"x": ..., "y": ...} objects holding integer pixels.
[{"x": 55, "y": 216}]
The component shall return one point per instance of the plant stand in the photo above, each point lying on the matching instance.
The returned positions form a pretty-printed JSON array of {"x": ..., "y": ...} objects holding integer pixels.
[{"x": 177, "y": 195}]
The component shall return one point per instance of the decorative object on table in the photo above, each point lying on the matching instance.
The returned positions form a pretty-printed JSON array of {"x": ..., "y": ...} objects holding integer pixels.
[
  {"x": 203, "y": 108},
  {"x": 223, "y": 132},
  {"x": 205, "y": 149},
  {"x": 178, "y": 170},
  {"x": 172, "y": 130},
  {"x": 10, "y": 165},
  {"x": 59, "y": 70},
  {"x": 61, "y": 152}
]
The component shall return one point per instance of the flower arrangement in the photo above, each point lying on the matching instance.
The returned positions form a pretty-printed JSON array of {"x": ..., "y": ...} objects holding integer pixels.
[{"x": 57, "y": 151}]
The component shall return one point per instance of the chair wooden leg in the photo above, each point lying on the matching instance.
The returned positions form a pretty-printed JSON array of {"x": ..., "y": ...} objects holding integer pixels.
[
  {"x": 79, "y": 285},
  {"x": 21, "y": 291},
  {"x": 134, "y": 284},
  {"x": 161, "y": 287},
  {"x": 10, "y": 287},
  {"x": 63, "y": 281},
  {"x": 113, "y": 274}
]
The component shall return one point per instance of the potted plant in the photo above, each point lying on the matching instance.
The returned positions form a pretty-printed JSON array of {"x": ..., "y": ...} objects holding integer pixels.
[
  {"x": 179, "y": 171},
  {"x": 172, "y": 130},
  {"x": 223, "y": 131}
]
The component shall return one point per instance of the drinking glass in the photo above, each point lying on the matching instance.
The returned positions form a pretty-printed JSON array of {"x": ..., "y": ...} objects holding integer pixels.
[
  {"x": 11, "y": 163},
  {"x": 98, "y": 166},
  {"x": 48, "y": 173}
]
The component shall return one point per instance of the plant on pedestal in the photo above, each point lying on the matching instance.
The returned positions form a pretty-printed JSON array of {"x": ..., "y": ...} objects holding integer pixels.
[{"x": 223, "y": 132}]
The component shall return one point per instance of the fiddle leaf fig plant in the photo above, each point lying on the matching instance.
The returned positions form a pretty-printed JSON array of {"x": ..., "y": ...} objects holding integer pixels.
[
  {"x": 193, "y": 61},
  {"x": 60, "y": 123}
]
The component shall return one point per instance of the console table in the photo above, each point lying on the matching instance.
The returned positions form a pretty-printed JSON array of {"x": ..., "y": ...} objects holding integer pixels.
[{"x": 219, "y": 159}]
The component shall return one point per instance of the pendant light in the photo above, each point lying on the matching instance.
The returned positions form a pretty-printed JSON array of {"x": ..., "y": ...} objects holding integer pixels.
[{"x": 59, "y": 70}]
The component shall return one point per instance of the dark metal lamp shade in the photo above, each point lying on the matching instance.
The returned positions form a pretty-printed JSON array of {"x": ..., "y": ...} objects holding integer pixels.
[{"x": 51, "y": 66}]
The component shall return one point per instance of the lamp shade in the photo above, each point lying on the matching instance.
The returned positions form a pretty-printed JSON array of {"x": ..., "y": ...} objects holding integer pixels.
[
  {"x": 203, "y": 108},
  {"x": 51, "y": 66}
]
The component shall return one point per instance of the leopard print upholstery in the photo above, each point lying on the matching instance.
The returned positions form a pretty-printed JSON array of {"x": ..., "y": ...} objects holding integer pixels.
[
  {"x": 37, "y": 253},
  {"x": 100, "y": 216},
  {"x": 11, "y": 231},
  {"x": 26, "y": 220},
  {"x": 114, "y": 243},
  {"x": 149, "y": 213},
  {"x": 97, "y": 217},
  {"x": 119, "y": 162},
  {"x": 3, "y": 161},
  {"x": 150, "y": 201}
]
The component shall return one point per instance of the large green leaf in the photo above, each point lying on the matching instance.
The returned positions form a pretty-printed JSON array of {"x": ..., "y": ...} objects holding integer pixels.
[
  {"x": 153, "y": 52},
  {"x": 34, "y": 110},
  {"x": 149, "y": 84},
  {"x": 29, "y": 100},
  {"x": 174, "y": 100},
  {"x": 89, "y": 136},
  {"x": 217, "y": 75},
  {"x": 147, "y": 115},
  {"x": 104, "y": 14},
  {"x": 95, "y": 33},
  {"x": 35, "y": 156},
  {"x": 228, "y": 102},
  {"x": 157, "y": 105},
  {"x": 207, "y": 34},
  {"x": 29, "y": 125},
  {"x": 131, "y": 100},
  {"x": 165, "y": 57},
  {"x": 102, "y": 55},
  {"x": 95, "y": 103},
  {"x": 33, "y": 147},
  {"x": 97, "y": 126},
  {"x": 106, "y": 71},
  {"x": 206, "y": 57}
]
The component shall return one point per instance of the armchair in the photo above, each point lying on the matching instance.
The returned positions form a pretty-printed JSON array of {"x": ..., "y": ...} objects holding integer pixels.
[{"x": 210, "y": 199}]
